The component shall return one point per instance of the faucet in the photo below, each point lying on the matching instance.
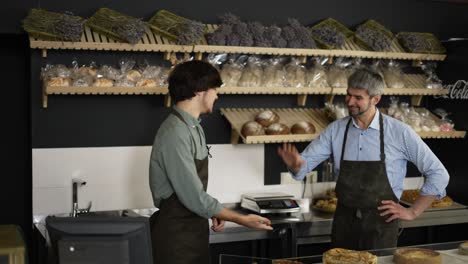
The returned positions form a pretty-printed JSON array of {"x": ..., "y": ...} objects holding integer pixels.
[{"x": 75, "y": 209}]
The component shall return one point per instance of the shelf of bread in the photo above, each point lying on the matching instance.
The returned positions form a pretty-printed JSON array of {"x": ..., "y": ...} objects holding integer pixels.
[
  {"x": 414, "y": 85},
  {"x": 238, "y": 117},
  {"x": 439, "y": 123},
  {"x": 91, "y": 40},
  {"x": 349, "y": 49},
  {"x": 274, "y": 90},
  {"x": 72, "y": 90}
]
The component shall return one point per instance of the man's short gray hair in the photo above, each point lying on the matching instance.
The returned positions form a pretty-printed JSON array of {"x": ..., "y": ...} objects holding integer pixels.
[{"x": 367, "y": 80}]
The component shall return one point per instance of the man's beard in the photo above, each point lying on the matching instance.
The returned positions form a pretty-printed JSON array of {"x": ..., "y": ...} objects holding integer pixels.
[{"x": 359, "y": 113}]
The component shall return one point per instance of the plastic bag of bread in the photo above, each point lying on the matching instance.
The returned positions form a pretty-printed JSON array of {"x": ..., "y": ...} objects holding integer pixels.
[
  {"x": 393, "y": 75},
  {"x": 124, "y": 82},
  {"x": 432, "y": 80},
  {"x": 103, "y": 82},
  {"x": 337, "y": 75},
  {"x": 83, "y": 76},
  {"x": 151, "y": 72},
  {"x": 162, "y": 78},
  {"x": 58, "y": 82},
  {"x": 295, "y": 74},
  {"x": 128, "y": 71},
  {"x": 252, "y": 73},
  {"x": 231, "y": 73},
  {"x": 273, "y": 73},
  {"x": 316, "y": 76},
  {"x": 109, "y": 72},
  {"x": 60, "y": 70}
]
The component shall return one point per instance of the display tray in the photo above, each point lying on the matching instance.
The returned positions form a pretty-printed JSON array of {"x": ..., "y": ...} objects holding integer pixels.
[
  {"x": 448, "y": 256},
  {"x": 454, "y": 206}
]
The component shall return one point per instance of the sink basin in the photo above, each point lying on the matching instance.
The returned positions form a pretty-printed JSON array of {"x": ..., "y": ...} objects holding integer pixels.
[{"x": 112, "y": 213}]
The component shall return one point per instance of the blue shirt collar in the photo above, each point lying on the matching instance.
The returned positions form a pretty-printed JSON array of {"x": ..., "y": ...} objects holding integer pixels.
[{"x": 374, "y": 123}]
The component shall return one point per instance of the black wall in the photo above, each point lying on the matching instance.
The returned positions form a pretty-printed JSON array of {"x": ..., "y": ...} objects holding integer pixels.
[{"x": 79, "y": 121}]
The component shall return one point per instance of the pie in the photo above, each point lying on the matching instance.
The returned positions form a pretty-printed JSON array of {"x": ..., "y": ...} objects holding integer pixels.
[
  {"x": 347, "y": 256},
  {"x": 410, "y": 196},
  {"x": 416, "y": 256},
  {"x": 463, "y": 248}
]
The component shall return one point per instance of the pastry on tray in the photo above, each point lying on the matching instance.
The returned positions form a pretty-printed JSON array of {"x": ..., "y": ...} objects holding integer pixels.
[
  {"x": 347, "y": 256},
  {"x": 410, "y": 196},
  {"x": 416, "y": 256}
]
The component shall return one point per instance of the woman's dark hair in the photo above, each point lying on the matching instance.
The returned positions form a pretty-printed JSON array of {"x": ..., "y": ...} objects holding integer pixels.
[{"x": 190, "y": 77}]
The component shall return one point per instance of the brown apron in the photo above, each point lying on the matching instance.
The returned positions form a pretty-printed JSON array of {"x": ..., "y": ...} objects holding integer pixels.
[
  {"x": 360, "y": 188},
  {"x": 180, "y": 236}
]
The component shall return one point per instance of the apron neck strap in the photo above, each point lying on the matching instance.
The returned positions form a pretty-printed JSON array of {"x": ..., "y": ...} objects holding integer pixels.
[{"x": 382, "y": 151}]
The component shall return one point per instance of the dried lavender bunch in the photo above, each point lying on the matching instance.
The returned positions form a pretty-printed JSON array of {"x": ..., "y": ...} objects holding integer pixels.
[
  {"x": 257, "y": 30},
  {"x": 273, "y": 34},
  {"x": 52, "y": 25},
  {"x": 229, "y": 19},
  {"x": 329, "y": 35},
  {"x": 302, "y": 34},
  {"x": 414, "y": 43},
  {"x": 131, "y": 31},
  {"x": 179, "y": 29},
  {"x": 289, "y": 34},
  {"x": 242, "y": 31},
  {"x": 117, "y": 25},
  {"x": 219, "y": 37},
  {"x": 375, "y": 39}
]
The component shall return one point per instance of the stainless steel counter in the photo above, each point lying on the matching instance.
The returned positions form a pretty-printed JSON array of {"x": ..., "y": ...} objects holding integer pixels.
[{"x": 315, "y": 227}]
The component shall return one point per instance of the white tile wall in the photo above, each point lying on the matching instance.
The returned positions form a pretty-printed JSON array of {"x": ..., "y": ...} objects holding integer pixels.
[{"x": 117, "y": 177}]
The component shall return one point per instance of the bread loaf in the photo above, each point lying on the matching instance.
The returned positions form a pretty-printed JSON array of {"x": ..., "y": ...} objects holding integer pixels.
[
  {"x": 416, "y": 256},
  {"x": 267, "y": 118},
  {"x": 303, "y": 127},
  {"x": 103, "y": 82},
  {"x": 146, "y": 83},
  {"x": 463, "y": 248},
  {"x": 347, "y": 256},
  {"x": 277, "y": 129},
  {"x": 58, "y": 81},
  {"x": 252, "y": 128}
]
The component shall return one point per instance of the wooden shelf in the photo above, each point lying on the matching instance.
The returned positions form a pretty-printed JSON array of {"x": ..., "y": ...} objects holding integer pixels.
[
  {"x": 412, "y": 81},
  {"x": 72, "y": 90},
  {"x": 91, "y": 40},
  {"x": 237, "y": 117},
  {"x": 288, "y": 116},
  {"x": 349, "y": 49},
  {"x": 151, "y": 42}
]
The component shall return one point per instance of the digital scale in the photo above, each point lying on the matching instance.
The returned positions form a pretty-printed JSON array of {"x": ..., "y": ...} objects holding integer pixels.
[{"x": 270, "y": 203}]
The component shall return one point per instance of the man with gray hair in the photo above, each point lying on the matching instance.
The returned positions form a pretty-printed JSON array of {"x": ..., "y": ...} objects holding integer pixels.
[{"x": 372, "y": 150}]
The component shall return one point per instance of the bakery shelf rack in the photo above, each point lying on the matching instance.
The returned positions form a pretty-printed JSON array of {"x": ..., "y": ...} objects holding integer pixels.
[
  {"x": 73, "y": 90},
  {"x": 237, "y": 117},
  {"x": 288, "y": 116},
  {"x": 91, "y": 40},
  {"x": 413, "y": 84},
  {"x": 349, "y": 49},
  {"x": 151, "y": 42}
]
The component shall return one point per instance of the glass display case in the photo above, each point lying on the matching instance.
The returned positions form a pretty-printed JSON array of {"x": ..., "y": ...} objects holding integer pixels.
[{"x": 449, "y": 252}]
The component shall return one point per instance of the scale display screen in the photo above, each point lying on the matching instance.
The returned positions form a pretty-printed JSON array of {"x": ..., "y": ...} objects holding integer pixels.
[{"x": 277, "y": 204}]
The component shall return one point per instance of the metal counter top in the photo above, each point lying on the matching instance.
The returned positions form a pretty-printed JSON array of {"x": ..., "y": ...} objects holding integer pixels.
[{"x": 315, "y": 226}]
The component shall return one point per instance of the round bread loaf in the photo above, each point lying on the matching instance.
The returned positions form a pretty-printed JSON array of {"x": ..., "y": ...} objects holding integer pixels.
[
  {"x": 303, "y": 127},
  {"x": 463, "y": 248},
  {"x": 267, "y": 118},
  {"x": 347, "y": 256},
  {"x": 277, "y": 129},
  {"x": 416, "y": 256},
  {"x": 252, "y": 128}
]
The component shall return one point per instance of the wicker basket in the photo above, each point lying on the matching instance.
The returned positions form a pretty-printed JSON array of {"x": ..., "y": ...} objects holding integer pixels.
[
  {"x": 332, "y": 23},
  {"x": 434, "y": 45}
]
